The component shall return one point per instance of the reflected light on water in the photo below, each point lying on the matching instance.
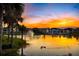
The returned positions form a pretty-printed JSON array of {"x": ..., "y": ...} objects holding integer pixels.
[
  {"x": 55, "y": 45},
  {"x": 56, "y": 41}
]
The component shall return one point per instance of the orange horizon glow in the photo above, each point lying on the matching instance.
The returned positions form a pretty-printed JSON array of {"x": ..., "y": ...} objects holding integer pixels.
[{"x": 54, "y": 23}]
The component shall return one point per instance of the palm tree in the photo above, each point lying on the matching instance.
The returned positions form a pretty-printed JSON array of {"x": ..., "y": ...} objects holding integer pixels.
[
  {"x": 12, "y": 15},
  {"x": 18, "y": 9},
  {"x": 22, "y": 29},
  {"x": 1, "y": 28}
]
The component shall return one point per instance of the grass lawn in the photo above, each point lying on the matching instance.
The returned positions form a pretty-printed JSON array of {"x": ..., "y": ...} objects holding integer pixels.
[{"x": 10, "y": 49}]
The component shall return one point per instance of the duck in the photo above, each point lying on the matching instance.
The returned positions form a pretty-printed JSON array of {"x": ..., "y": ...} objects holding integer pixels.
[{"x": 42, "y": 47}]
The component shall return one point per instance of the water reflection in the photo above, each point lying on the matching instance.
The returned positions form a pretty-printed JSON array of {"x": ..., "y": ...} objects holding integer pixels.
[{"x": 52, "y": 45}]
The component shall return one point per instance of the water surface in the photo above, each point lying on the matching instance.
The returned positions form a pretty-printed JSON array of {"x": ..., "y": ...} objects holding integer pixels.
[{"x": 54, "y": 45}]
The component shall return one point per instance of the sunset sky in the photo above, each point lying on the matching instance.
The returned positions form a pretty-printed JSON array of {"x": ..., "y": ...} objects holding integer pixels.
[{"x": 53, "y": 15}]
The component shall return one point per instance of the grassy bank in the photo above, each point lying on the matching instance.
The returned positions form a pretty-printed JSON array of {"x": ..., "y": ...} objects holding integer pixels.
[{"x": 9, "y": 48}]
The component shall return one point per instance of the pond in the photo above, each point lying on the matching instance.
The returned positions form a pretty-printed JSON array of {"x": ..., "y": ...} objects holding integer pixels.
[{"x": 51, "y": 45}]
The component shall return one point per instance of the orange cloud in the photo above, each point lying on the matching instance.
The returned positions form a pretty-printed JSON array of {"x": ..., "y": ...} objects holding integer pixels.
[{"x": 54, "y": 23}]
